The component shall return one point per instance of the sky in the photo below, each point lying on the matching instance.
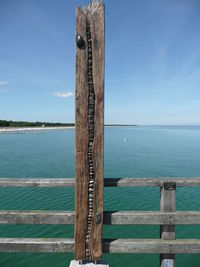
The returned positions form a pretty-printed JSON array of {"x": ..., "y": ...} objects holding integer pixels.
[{"x": 152, "y": 61}]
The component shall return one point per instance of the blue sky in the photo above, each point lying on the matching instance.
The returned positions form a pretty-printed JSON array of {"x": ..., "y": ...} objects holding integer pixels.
[{"x": 152, "y": 70}]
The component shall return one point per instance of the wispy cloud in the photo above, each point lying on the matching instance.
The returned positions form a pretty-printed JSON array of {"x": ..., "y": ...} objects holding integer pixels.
[
  {"x": 3, "y": 91},
  {"x": 3, "y": 82},
  {"x": 63, "y": 94}
]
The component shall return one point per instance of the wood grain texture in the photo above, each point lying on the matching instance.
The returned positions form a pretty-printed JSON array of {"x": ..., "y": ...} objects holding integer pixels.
[
  {"x": 150, "y": 182},
  {"x": 152, "y": 246},
  {"x": 81, "y": 139},
  {"x": 66, "y": 245},
  {"x": 36, "y": 217},
  {"x": 37, "y": 182},
  {"x": 108, "y": 182},
  {"x": 58, "y": 245},
  {"x": 109, "y": 217},
  {"x": 96, "y": 19},
  {"x": 151, "y": 218},
  {"x": 167, "y": 204},
  {"x": 97, "y": 27}
]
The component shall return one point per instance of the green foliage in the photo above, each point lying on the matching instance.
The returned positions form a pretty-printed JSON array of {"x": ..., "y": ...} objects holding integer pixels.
[{"x": 4, "y": 123}]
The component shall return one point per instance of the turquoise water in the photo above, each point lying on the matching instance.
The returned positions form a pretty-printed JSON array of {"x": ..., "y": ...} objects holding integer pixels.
[{"x": 129, "y": 152}]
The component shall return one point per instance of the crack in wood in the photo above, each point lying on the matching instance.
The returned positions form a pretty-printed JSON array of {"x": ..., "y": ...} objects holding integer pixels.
[{"x": 91, "y": 110}]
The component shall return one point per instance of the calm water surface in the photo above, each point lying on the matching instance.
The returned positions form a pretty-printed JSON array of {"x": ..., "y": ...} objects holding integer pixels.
[{"x": 129, "y": 152}]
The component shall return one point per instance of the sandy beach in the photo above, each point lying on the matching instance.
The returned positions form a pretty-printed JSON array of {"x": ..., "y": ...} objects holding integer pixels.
[{"x": 24, "y": 129}]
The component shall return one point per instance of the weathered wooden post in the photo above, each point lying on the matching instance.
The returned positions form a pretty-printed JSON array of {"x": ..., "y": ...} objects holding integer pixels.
[
  {"x": 167, "y": 232},
  {"x": 89, "y": 163}
]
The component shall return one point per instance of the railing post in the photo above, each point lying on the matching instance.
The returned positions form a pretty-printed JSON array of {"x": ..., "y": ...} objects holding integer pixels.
[
  {"x": 167, "y": 232},
  {"x": 89, "y": 152}
]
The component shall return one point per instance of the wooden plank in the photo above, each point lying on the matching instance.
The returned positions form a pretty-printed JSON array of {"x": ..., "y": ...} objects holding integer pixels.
[
  {"x": 36, "y": 217},
  {"x": 66, "y": 245},
  {"x": 151, "y": 246},
  {"x": 59, "y": 245},
  {"x": 129, "y": 182},
  {"x": 37, "y": 182},
  {"x": 150, "y": 182},
  {"x": 110, "y": 217},
  {"x": 89, "y": 164},
  {"x": 97, "y": 27},
  {"x": 167, "y": 204},
  {"x": 151, "y": 218},
  {"x": 81, "y": 138},
  {"x": 108, "y": 182}
]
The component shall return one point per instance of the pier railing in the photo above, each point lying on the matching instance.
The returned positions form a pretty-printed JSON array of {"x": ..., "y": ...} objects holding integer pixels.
[{"x": 167, "y": 246}]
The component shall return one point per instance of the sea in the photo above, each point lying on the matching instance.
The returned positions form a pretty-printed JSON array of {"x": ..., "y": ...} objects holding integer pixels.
[{"x": 141, "y": 151}]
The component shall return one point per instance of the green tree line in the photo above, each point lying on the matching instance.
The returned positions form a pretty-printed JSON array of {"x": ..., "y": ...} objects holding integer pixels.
[{"x": 5, "y": 123}]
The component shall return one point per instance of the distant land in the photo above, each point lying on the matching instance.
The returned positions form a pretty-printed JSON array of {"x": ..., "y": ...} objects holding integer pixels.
[
  {"x": 24, "y": 124},
  {"x": 117, "y": 125}
]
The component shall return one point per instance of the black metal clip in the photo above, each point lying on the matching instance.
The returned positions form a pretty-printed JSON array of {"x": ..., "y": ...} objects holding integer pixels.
[
  {"x": 169, "y": 186},
  {"x": 97, "y": 218},
  {"x": 80, "y": 41}
]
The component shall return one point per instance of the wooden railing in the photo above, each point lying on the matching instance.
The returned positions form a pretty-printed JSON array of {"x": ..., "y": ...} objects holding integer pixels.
[{"x": 167, "y": 218}]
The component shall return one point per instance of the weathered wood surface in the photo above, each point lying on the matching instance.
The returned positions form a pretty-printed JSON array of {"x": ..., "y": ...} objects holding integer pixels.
[
  {"x": 151, "y": 218},
  {"x": 37, "y": 182},
  {"x": 94, "y": 16},
  {"x": 110, "y": 217},
  {"x": 151, "y": 182},
  {"x": 108, "y": 182},
  {"x": 60, "y": 245},
  {"x": 167, "y": 204},
  {"x": 36, "y": 217},
  {"x": 152, "y": 246},
  {"x": 81, "y": 139},
  {"x": 66, "y": 245}
]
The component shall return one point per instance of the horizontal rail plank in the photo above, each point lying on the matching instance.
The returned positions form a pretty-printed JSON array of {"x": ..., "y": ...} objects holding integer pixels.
[
  {"x": 151, "y": 218},
  {"x": 152, "y": 246},
  {"x": 108, "y": 182},
  {"x": 150, "y": 182},
  {"x": 109, "y": 218},
  {"x": 60, "y": 245},
  {"x": 36, "y": 217},
  {"x": 37, "y": 182},
  {"x": 66, "y": 245}
]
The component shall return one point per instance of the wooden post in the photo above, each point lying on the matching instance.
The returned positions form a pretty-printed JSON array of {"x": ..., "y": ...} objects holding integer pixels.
[
  {"x": 167, "y": 232},
  {"x": 89, "y": 162}
]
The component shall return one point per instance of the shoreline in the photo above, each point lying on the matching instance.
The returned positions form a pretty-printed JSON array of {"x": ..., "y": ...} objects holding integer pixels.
[
  {"x": 24, "y": 129},
  {"x": 28, "y": 129}
]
